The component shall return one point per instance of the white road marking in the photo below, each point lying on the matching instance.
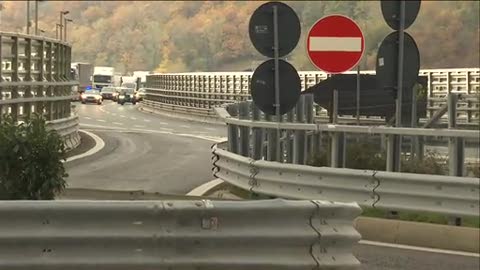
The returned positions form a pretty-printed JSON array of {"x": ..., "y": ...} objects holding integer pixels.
[
  {"x": 116, "y": 123},
  {"x": 133, "y": 118},
  {"x": 123, "y": 116},
  {"x": 146, "y": 120},
  {"x": 86, "y": 117},
  {"x": 203, "y": 189},
  {"x": 139, "y": 126},
  {"x": 129, "y": 130},
  {"x": 99, "y": 145},
  {"x": 101, "y": 120},
  {"x": 433, "y": 250},
  {"x": 211, "y": 129},
  {"x": 163, "y": 123},
  {"x": 184, "y": 126},
  {"x": 166, "y": 129}
]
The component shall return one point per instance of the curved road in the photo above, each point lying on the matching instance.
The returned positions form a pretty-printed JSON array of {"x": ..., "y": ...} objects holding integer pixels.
[{"x": 143, "y": 151}]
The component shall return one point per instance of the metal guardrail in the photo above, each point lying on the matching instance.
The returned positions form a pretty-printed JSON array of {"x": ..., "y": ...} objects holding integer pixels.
[
  {"x": 247, "y": 161},
  {"x": 201, "y": 92},
  {"x": 35, "y": 78},
  {"x": 456, "y": 196},
  {"x": 203, "y": 234}
]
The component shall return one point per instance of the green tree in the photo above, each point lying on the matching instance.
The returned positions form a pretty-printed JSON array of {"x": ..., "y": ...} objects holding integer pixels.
[{"x": 31, "y": 157}]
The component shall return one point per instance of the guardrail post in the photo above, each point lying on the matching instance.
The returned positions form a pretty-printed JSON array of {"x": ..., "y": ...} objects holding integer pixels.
[
  {"x": 289, "y": 138},
  {"x": 338, "y": 138},
  {"x": 299, "y": 145},
  {"x": 309, "y": 119},
  {"x": 271, "y": 141},
  {"x": 244, "y": 114},
  {"x": 257, "y": 134},
  {"x": 456, "y": 146},
  {"x": 233, "y": 131}
]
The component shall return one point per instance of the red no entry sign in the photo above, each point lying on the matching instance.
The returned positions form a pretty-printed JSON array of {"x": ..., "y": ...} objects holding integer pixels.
[{"x": 335, "y": 44}]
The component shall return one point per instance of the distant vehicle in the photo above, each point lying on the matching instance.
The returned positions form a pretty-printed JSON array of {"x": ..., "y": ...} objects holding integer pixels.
[
  {"x": 126, "y": 95},
  {"x": 129, "y": 82},
  {"x": 140, "y": 94},
  {"x": 103, "y": 76},
  {"x": 143, "y": 77},
  {"x": 91, "y": 96},
  {"x": 109, "y": 92},
  {"x": 82, "y": 72}
]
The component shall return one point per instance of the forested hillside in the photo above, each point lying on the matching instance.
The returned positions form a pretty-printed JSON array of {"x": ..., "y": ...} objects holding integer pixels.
[{"x": 213, "y": 35}]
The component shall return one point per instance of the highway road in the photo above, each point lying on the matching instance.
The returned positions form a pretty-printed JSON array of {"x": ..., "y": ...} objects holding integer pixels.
[{"x": 143, "y": 151}]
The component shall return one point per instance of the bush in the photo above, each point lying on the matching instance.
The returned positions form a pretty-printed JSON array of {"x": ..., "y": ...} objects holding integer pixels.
[
  {"x": 31, "y": 157},
  {"x": 366, "y": 155}
]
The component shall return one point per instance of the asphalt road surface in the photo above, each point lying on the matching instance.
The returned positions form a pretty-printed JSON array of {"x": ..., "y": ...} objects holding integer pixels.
[{"x": 143, "y": 151}]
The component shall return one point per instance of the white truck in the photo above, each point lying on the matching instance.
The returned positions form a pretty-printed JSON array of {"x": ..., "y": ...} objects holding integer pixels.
[
  {"x": 103, "y": 76},
  {"x": 143, "y": 77},
  {"x": 129, "y": 82}
]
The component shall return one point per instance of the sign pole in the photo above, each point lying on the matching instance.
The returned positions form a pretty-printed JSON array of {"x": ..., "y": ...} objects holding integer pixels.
[
  {"x": 358, "y": 94},
  {"x": 277, "y": 78},
  {"x": 398, "y": 111}
]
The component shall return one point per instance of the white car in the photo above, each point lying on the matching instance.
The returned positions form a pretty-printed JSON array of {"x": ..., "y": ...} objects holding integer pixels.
[{"x": 91, "y": 96}]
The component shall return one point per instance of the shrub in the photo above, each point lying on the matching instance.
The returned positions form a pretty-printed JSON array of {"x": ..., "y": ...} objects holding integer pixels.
[{"x": 31, "y": 157}]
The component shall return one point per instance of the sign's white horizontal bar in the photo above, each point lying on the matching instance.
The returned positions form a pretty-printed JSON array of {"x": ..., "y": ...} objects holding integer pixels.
[{"x": 336, "y": 44}]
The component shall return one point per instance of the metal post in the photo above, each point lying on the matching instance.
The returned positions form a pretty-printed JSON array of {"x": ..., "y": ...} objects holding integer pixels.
[
  {"x": 65, "y": 31},
  {"x": 299, "y": 138},
  {"x": 358, "y": 94},
  {"x": 28, "y": 17},
  {"x": 233, "y": 133},
  {"x": 338, "y": 139},
  {"x": 398, "y": 110},
  {"x": 36, "y": 17},
  {"x": 289, "y": 139},
  {"x": 415, "y": 149},
  {"x": 243, "y": 113},
  {"x": 257, "y": 135},
  {"x": 309, "y": 119},
  {"x": 456, "y": 146},
  {"x": 277, "y": 78}
]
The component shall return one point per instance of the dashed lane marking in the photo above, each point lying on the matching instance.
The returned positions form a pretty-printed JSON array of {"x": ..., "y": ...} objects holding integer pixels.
[
  {"x": 101, "y": 120},
  {"x": 116, "y": 123},
  {"x": 146, "y": 120},
  {"x": 133, "y": 118}
]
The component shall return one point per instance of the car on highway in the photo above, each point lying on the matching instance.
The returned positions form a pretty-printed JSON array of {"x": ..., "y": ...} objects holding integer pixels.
[
  {"x": 140, "y": 94},
  {"x": 126, "y": 95},
  {"x": 91, "y": 96},
  {"x": 110, "y": 93}
]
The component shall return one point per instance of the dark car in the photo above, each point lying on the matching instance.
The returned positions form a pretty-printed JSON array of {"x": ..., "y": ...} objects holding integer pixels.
[
  {"x": 109, "y": 93},
  {"x": 126, "y": 95}
]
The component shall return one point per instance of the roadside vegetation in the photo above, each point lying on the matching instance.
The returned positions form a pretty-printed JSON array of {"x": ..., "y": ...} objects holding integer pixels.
[{"x": 31, "y": 157}]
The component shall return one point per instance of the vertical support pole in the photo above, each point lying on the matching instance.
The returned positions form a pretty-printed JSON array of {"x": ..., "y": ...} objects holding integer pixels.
[
  {"x": 456, "y": 146},
  {"x": 358, "y": 95},
  {"x": 289, "y": 139},
  {"x": 415, "y": 145},
  {"x": 36, "y": 17},
  {"x": 243, "y": 113},
  {"x": 28, "y": 17},
  {"x": 233, "y": 133},
  {"x": 257, "y": 133},
  {"x": 15, "y": 78},
  {"x": 299, "y": 138},
  {"x": 272, "y": 145},
  {"x": 338, "y": 139},
  {"x": 398, "y": 110},
  {"x": 309, "y": 119},
  {"x": 277, "y": 80}
]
